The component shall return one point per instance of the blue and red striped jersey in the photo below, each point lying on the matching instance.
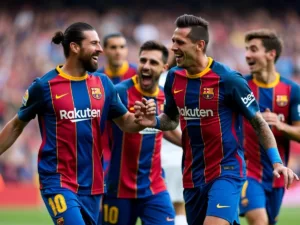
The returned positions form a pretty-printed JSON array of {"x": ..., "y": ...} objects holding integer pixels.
[
  {"x": 283, "y": 98},
  {"x": 126, "y": 71},
  {"x": 210, "y": 105},
  {"x": 135, "y": 168},
  {"x": 71, "y": 113}
]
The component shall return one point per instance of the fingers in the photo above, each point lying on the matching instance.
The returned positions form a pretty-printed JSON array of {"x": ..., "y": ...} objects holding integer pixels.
[
  {"x": 267, "y": 110},
  {"x": 296, "y": 176},
  {"x": 290, "y": 178},
  {"x": 276, "y": 174}
]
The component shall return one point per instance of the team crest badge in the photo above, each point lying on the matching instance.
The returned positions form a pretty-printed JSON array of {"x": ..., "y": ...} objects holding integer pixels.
[
  {"x": 25, "y": 98},
  {"x": 282, "y": 100},
  {"x": 208, "y": 93},
  {"x": 96, "y": 93},
  {"x": 60, "y": 221}
]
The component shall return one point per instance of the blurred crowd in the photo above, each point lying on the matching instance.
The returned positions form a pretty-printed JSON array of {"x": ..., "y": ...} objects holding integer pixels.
[{"x": 27, "y": 52}]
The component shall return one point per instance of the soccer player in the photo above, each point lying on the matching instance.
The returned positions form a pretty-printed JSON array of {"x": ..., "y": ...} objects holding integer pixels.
[
  {"x": 279, "y": 103},
  {"x": 115, "y": 50},
  {"x": 72, "y": 106},
  {"x": 135, "y": 184},
  {"x": 210, "y": 98},
  {"x": 117, "y": 69}
]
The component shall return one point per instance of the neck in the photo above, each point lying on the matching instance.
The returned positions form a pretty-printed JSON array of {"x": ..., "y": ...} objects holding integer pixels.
[
  {"x": 114, "y": 69},
  {"x": 199, "y": 66},
  {"x": 73, "y": 68},
  {"x": 267, "y": 75}
]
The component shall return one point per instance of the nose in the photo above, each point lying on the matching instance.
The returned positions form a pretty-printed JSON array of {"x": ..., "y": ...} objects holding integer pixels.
[
  {"x": 146, "y": 66},
  {"x": 99, "y": 48},
  {"x": 247, "y": 54}
]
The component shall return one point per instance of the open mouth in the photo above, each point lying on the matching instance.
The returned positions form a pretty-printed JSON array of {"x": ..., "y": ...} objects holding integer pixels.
[
  {"x": 146, "y": 80},
  {"x": 95, "y": 59},
  {"x": 251, "y": 63},
  {"x": 178, "y": 57}
]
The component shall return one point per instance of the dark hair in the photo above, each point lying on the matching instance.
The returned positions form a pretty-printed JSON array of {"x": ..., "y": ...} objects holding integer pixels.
[
  {"x": 155, "y": 45},
  {"x": 109, "y": 36},
  {"x": 269, "y": 39},
  {"x": 198, "y": 25},
  {"x": 74, "y": 33}
]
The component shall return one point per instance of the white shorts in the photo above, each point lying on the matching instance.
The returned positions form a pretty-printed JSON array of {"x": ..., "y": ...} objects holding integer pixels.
[{"x": 171, "y": 157}]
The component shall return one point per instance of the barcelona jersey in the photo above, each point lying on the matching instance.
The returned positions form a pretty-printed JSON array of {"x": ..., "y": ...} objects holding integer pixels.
[
  {"x": 135, "y": 168},
  {"x": 210, "y": 105},
  {"x": 126, "y": 71},
  {"x": 71, "y": 112},
  {"x": 283, "y": 98}
]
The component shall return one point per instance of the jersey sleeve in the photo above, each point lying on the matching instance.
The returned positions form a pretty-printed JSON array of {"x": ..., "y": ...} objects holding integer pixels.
[
  {"x": 241, "y": 96},
  {"x": 31, "y": 102},
  {"x": 295, "y": 104},
  {"x": 170, "y": 107},
  {"x": 116, "y": 107}
]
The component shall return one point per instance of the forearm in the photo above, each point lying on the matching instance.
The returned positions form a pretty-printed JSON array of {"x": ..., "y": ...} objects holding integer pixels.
[
  {"x": 173, "y": 136},
  {"x": 126, "y": 123},
  {"x": 9, "y": 135},
  {"x": 264, "y": 133},
  {"x": 166, "y": 123},
  {"x": 291, "y": 132}
]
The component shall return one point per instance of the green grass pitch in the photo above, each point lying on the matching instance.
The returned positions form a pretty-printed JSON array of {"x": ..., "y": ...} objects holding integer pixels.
[{"x": 288, "y": 216}]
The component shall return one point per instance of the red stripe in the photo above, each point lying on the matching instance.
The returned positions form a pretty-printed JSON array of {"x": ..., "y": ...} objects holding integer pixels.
[
  {"x": 233, "y": 130},
  {"x": 211, "y": 128},
  {"x": 130, "y": 156},
  {"x": 129, "y": 73},
  {"x": 251, "y": 144},
  {"x": 65, "y": 134},
  {"x": 281, "y": 89},
  {"x": 180, "y": 83},
  {"x": 98, "y": 180},
  {"x": 157, "y": 183}
]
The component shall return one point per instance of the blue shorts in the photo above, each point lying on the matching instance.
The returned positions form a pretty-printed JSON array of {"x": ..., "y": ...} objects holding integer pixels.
[
  {"x": 253, "y": 196},
  {"x": 67, "y": 208},
  {"x": 219, "y": 198},
  {"x": 153, "y": 210}
]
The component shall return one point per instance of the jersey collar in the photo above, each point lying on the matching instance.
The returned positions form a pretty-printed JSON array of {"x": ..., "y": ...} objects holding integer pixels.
[
  {"x": 120, "y": 71},
  {"x": 270, "y": 85},
  {"x": 69, "y": 77},
  {"x": 202, "y": 73}
]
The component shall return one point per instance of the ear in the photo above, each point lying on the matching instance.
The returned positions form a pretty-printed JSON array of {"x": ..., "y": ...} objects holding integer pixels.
[
  {"x": 166, "y": 67},
  {"x": 200, "y": 45},
  {"x": 74, "y": 47},
  {"x": 271, "y": 55}
]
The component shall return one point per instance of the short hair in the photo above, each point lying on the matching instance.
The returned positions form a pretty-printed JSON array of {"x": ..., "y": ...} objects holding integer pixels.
[
  {"x": 109, "y": 36},
  {"x": 270, "y": 40},
  {"x": 198, "y": 25},
  {"x": 155, "y": 45},
  {"x": 74, "y": 33}
]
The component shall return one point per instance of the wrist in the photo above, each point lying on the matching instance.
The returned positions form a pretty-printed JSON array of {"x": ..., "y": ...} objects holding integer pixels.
[
  {"x": 157, "y": 123},
  {"x": 274, "y": 156}
]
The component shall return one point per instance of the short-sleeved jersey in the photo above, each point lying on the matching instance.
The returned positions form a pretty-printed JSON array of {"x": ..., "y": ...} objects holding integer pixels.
[
  {"x": 210, "y": 105},
  {"x": 71, "y": 113},
  {"x": 135, "y": 167},
  {"x": 126, "y": 71},
  {"x": 283, "y": 98}
]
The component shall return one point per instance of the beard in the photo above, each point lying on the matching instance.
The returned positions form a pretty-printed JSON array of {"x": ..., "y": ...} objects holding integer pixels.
[{"x": 88, "y": 63}]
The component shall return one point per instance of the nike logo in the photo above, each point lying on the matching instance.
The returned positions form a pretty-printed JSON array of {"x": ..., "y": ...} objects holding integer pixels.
[
  {"x": 131, "y": 108},
  {"x": 222, "y": 206},
  {"x": 177, "y": 91},
  {"x": 170, "y": 219},
  {"x": 60, "y": 96}
]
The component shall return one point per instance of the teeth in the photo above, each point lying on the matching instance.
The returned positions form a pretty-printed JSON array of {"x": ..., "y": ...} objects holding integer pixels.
[{"x": 95, "y": 57}]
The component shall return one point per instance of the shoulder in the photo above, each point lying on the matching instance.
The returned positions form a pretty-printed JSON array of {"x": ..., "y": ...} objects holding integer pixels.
[
  {"x": 101, "y": 70},
  {"x": 124, "y": 85},
  {"x": 133, "y": 66},
  {"x": 226, "y": 73},
  {"x": 48, "y": 76},
  {"x": 289, "y": 82},
  {"x": 248, "y": 77}
]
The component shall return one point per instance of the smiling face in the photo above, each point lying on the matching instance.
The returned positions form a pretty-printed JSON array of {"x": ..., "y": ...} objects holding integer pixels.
[
  {"x": 184, "y": 49},
  {"x": 257, "y": 57},
  {"x": 89, "y": 51},
  {"x": 150, "y": 68}
]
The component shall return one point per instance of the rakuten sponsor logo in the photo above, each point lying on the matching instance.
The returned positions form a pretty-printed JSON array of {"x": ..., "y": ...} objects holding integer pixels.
[
  {"x": 195, "y": 114},
  {"x": 79, "y": 115},
  {"x": 248, "y": 99},
  {"x": 149, "y": 130}
]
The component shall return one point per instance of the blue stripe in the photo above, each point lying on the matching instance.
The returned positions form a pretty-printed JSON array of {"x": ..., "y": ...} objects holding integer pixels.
[
  {"x": 48, "y": 164},
  {"x": 113, "y": 177},
  {"x": 194, "y": 131},
  {"x": 84, "y": 135},
  {"x": 145, "y": 162}
]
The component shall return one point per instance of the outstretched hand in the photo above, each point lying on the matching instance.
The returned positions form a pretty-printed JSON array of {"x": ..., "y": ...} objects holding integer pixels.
[
  {"x": 144, "y": 112},
  {"x": 288, "y": 174}
]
